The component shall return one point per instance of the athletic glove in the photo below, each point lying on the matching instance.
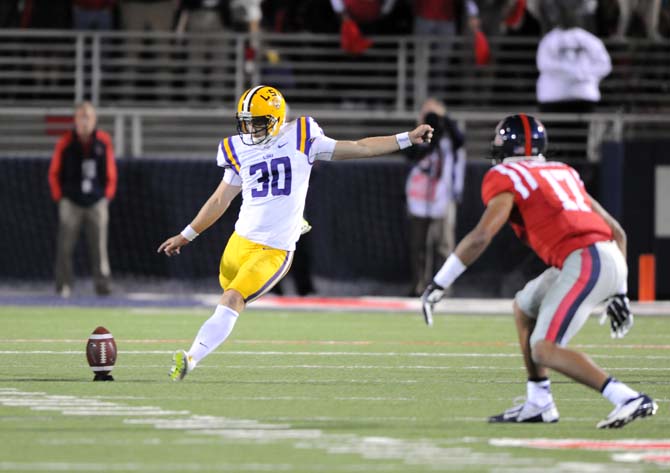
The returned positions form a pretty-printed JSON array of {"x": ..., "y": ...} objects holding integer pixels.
[
  {"x": 430, "y": 297},
  {"x": 621, "y": 318}
]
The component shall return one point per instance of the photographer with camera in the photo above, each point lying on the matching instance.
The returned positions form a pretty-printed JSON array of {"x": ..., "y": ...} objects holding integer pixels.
[{"x": 433, "y": 189}]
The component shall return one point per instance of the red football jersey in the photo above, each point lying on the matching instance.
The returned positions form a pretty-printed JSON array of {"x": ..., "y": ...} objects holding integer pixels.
[{"x": 552, "y": 211}]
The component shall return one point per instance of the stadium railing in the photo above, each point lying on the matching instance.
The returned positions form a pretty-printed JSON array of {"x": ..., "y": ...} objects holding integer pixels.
[
  {"x": 190, "y": 133},
  {"x": 135, "y": 69},
  {"x": 169, "y": 95}
]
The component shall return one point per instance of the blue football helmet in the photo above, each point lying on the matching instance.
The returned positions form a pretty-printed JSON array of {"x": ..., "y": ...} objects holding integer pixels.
[{"x": 518, "y": 135}]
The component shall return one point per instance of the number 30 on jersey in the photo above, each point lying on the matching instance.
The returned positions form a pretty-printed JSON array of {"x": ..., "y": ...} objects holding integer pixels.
[{"x": 274, "y": 178}]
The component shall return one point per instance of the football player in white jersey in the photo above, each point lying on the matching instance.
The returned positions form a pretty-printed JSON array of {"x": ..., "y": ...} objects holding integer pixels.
[{"x": 270, "y": 162}]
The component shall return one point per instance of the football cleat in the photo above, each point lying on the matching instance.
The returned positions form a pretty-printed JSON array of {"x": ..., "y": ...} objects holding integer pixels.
[
  {"x": 305, "y": 227},
  {"x": 636, "y": 407},
  {"x": 528, "y": 412},
  {"x": 182, "y": 365}
]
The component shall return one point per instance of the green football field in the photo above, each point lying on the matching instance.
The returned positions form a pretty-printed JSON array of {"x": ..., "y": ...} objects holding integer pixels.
[{"x": 311, "y": 392}]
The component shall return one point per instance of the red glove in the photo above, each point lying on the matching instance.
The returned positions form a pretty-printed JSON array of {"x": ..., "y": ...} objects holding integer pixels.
[
  {"x": 482, "y": 50},
  {"x": 351, "y": 39}
]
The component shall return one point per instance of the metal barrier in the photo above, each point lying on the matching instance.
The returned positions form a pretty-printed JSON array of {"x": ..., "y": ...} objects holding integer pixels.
[
  {"x": 190, "y": 133},
  {"x": 169, "y": 95},
  {"x": 138, "y": 69}
]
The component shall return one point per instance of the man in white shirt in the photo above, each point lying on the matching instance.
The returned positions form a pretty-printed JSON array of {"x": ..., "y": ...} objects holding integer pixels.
[{"x": 571, "y": 62}]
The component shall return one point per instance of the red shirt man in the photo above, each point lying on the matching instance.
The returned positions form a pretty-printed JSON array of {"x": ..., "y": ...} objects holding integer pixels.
[{"x": 82, "y": 179}]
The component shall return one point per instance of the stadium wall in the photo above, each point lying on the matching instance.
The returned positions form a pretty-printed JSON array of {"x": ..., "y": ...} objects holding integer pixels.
[
  {"x": 357, "y": 210},
  {"x": 644, "y": 167}
]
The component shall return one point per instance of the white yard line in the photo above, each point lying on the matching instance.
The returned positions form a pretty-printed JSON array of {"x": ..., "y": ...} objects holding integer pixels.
[
  {"x": 423, "y": 452},
  {"x": 330, "y": 354}
]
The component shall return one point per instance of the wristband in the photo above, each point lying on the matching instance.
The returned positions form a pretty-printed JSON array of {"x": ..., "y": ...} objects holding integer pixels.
[
  {"x": 451, "y": 269},
  {"x": 403, "y": 140},
  {"x": 189, "y": 233}
]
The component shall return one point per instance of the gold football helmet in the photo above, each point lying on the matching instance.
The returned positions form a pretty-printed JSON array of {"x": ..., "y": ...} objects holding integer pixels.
[{"x": 261, "y": 112}]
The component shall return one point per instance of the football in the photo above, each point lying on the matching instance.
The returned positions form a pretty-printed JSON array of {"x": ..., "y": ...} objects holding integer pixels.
[{"x": 101, "y": 353}]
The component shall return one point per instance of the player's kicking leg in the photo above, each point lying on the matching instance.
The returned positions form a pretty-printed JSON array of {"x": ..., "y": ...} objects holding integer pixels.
[{"x": 183, "y": 364}]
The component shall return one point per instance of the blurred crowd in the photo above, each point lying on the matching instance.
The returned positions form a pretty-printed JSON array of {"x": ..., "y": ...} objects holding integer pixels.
[{"x": 604, "y": 18}]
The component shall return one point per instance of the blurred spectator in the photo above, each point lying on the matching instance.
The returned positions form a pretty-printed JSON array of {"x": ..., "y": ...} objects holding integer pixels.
[
  {"x": 82, "y": 178},
  {"x": 648, "y": 11},
  {"x": 582, "y": 13},
  {"x": 571, "y": 63},
  {"x": 369, "y": 15},
  {"x": 440, "y": 19},
  {"x": 247, "y": 16},
  {"x": 50, "y": 74},
  {"x": 151, "y": 71},
  {"x": 434, "y": 187},
  {"x": 508, "y": 17},
  {"x": 147, "y": 15},
  {"x": 293, "y": 16},
  {"x": 207, "y": 52},
  {"x": 93, "y": 15},
  {"x": 201, "y": 16}
]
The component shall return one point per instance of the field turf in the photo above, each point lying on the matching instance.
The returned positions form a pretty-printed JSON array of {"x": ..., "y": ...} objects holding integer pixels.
[{"x": 305, "y": 392}]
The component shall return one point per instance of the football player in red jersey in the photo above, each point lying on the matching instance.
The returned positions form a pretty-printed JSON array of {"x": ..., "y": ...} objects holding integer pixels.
[{"x": 549, "y": 210}]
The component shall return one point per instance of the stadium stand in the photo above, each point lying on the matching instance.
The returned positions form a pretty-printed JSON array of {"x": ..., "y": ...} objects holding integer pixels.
[{"x": 162, "y": 124}]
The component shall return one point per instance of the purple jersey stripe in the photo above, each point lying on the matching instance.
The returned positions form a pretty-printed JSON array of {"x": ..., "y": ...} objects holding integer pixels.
[
  {"x": 235, "y": 158},
  {"x": 308, "y": 143},
  {"x": 299, "y": 134},
  {"x": 227, "y": 155}
]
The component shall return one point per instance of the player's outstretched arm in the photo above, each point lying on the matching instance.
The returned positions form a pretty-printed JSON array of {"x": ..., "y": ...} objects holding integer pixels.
[
  {"x": 495, "y": 215},
  {"x": 209, "y": 213},
  {"x": 467, "y": 251},
  {"x": 379, "y": 145}
]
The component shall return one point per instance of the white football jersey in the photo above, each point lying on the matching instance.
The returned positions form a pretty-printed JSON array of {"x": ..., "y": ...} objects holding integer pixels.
[{"x": 274, "y": 179}]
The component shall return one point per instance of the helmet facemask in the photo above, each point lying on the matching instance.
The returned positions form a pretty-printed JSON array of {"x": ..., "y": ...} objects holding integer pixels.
[{"x": 255, "y": 130}]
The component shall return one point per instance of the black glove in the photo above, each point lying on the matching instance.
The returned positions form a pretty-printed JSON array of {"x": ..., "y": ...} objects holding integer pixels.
[
  {"x": 621, "y": 318},
  {"x": 430, "y": 297}
]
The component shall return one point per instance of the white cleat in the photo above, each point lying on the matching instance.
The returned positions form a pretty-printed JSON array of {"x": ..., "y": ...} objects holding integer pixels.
[
  {"x": 528, "y": 412},
  {"x": 634, "y": 408}
]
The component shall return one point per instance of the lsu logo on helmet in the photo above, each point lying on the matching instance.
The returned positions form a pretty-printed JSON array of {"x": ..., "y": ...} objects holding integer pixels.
[{"x": 261, "y": 112}]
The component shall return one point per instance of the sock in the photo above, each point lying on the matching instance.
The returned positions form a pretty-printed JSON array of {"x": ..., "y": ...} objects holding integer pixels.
[
  {"x": 616, "y": 392},
  {"x": 213, "y": 333},
  {"x": 539, "y": 392}
]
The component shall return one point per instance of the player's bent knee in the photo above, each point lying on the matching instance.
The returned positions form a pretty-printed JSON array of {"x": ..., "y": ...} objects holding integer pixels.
[
  {"x": 233, "y": 299},
  {"x": 521, "y": 317},
  {"x": 542, "y": 352}
]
